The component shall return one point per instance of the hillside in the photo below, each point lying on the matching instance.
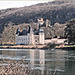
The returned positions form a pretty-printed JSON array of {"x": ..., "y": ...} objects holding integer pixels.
[{"x": 56, "y": 11}]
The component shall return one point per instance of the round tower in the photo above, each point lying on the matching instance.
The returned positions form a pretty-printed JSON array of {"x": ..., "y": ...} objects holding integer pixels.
[{"x": 41, "y": 36}]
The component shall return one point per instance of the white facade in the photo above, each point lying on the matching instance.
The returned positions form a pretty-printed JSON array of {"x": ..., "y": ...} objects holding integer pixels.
[
  {"x": 22, "y": 39},
  {"x": 30, "y": 38},
  {"x": 41, "y": 38}
]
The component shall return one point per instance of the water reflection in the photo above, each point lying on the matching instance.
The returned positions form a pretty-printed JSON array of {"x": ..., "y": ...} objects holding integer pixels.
[{"x": 45, "y": 61}]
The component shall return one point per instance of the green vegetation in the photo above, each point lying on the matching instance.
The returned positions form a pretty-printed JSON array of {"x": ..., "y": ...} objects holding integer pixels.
[
  {"x": 14, "y": 67},
  {"x": 57, "y": 12},
  {"x": 8, "y": 36},
  {"x": 51, "y": 46},
  {"x": 69, "y": 46},
  {"x": 70, "y": 31}
]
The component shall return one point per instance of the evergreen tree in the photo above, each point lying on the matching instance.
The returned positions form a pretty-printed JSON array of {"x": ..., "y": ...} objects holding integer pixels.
[{"x": 70, "y": 31}]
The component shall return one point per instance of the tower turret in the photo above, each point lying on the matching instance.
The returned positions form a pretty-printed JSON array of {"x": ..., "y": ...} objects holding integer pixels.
[{"x": 31, "y": 36}]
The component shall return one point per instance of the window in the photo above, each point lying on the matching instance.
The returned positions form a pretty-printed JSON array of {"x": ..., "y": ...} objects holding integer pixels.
[{"x": 36, "y": 40}]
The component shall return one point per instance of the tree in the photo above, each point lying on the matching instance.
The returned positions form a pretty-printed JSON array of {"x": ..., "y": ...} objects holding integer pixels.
[
  {"x": 70, "y": 31},
  {"x": 59, "y": 29}
]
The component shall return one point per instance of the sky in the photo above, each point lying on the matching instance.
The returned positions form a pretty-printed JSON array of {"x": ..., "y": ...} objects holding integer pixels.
[{"x": 19, "y": 3}]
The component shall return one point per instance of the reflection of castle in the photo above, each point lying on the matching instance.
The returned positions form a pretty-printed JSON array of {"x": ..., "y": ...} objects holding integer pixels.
[
  {"x": 48, "y": 61},
  {"x": 44, "y": 60},
  {"x": 30, "y": 36},
  {"x": 38, "y": 57}
]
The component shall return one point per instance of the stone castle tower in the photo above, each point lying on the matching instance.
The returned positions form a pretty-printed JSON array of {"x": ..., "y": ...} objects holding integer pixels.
[
  {"x": 31, "y": 35},
  {"x": 41, "y": 36},
  {"x": 47, "y": 22}
]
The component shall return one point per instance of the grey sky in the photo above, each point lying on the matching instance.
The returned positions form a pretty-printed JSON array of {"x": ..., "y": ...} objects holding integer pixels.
[{"x": 19, "y": 3}]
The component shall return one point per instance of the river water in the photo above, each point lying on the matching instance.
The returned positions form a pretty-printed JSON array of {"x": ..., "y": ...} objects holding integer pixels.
[{"x": 46, "y": 62}]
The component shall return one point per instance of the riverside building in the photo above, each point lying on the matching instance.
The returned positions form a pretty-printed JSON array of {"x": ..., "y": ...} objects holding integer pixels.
[{"x": 30, "y": 36}]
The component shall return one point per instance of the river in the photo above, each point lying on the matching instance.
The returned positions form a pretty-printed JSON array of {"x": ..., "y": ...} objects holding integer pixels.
[{"x": 46, "y": 62}]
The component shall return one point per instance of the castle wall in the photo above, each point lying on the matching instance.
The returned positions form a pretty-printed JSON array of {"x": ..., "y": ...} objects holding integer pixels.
[
  {"x": 36, "y": 37},
  {"x": 22, "y": 40},
  {"x": 55, "y": 40},
  {"x": 41, "y": 38},
  {"x": 31, "y": 40}
]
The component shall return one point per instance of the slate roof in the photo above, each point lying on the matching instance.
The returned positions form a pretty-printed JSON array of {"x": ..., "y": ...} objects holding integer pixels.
[{"x": 25, "y": 32}]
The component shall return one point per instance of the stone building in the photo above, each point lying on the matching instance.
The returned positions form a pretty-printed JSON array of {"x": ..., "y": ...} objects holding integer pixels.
[
  {"x": 30, "y": 36},
  {"x": 47, "y": 22},
  {"x": 40, "y": 21}
]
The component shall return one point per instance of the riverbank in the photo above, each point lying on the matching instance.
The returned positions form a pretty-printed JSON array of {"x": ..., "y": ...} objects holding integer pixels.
[
  {"x": 22, "y": 46},
  {"x": 62, "y": 47},
  {"x": 66, "y": 47}
]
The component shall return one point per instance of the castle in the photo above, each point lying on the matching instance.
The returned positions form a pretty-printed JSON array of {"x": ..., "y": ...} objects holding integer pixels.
[{"x": 30, "y": 36}]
